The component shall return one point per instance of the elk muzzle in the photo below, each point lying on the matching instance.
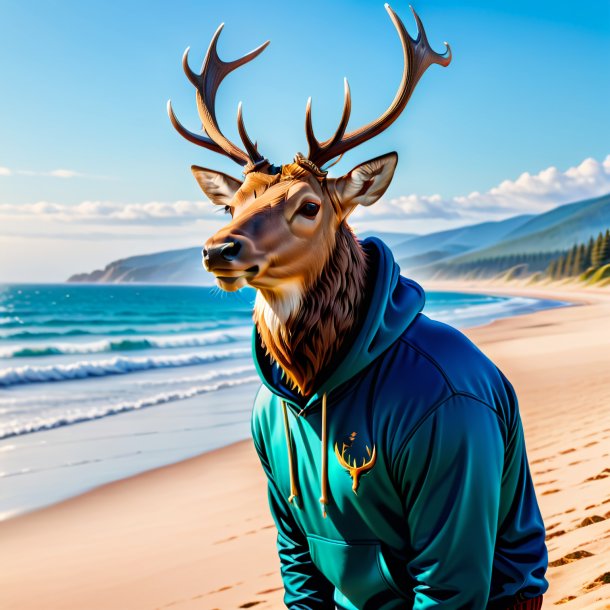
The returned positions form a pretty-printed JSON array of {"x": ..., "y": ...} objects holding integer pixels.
[
  {"x": 218, "y": 255},
  {"x": 231, "y": 260}
]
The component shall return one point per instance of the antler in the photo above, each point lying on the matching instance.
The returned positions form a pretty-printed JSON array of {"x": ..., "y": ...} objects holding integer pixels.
[
  {"x": 213, "y": 72},
  {"x": 418, "y": 57}
]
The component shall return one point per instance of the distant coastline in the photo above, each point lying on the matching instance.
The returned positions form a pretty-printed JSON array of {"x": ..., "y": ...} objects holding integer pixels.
[{"x": 571, "y": 240}]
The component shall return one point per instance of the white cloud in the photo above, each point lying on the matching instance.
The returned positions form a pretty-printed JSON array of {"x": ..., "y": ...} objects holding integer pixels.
[
  {"x": 54, "y": 173},
  {"x": 422, "y": 213},
  {"x": 106, "y": 212},
  {"x": 64, "y": 173},
  {"x": 528, "y": 194}
]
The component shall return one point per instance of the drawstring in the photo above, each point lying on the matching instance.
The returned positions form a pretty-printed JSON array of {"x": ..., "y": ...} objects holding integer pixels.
[
  {"x": 324, "y": 473},
  {"x": 291, "y": 466},
  {"x": 293, "y": 486}
]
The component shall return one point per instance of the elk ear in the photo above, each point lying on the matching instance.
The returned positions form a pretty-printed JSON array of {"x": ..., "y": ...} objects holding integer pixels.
[
  {"x": 219, "y": 188},
  {"x": 366, "y": 183}
]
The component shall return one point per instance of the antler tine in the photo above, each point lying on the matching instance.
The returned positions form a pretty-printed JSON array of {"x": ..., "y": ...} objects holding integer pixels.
[
  {"x": 315, "y": 147},
  {"x": 418, "y": 57},
  {"x": 243, "y": 134},
  {"x": 195, "y": 138},
  {"x": 444, "y": 59},
  {"x": 213, "y": 72}
]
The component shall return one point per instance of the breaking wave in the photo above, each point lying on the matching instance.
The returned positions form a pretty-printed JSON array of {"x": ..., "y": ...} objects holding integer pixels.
[
  {"x": 125, "y": 345},
  {"x": 113, "y": 366},
  {"x": 76, "y": 416}
]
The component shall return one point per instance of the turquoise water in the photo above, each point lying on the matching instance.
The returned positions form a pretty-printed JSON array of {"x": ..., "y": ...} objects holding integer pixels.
[{"x": 98, "y": 382}]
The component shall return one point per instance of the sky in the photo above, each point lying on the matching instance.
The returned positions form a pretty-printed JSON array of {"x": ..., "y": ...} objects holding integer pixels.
[{"x": 91, "y": 169}]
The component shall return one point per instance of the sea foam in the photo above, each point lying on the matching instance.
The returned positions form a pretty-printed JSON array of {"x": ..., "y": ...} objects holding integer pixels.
[
  {"x": 127, "y": 344},
  {"x": 113, "y": 366},
  {"x": 42, "y": 422}
]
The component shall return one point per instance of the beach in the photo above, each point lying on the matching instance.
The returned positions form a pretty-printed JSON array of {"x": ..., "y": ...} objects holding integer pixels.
[{"x": 198, "y": 533}]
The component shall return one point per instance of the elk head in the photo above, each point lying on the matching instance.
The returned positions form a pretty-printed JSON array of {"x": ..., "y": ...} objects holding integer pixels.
[{"x": 286, "y": 221}]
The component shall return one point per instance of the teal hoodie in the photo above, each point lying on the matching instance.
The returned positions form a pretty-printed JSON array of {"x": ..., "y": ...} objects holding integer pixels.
[{"x": 403, "y": 482}]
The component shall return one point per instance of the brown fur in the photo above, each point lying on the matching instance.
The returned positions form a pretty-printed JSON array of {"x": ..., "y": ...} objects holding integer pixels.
[{"x": 308, "y": 343}]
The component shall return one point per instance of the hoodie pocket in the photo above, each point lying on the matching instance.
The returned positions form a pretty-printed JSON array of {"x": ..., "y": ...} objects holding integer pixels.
[{"x": 358, "y": 570}]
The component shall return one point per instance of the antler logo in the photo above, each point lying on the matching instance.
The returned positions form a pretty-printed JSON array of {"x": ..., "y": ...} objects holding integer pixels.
[{"x": 352, "y": 468}]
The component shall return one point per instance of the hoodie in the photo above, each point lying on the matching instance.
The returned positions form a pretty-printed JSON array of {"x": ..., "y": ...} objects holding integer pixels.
[{"x": 403, "y": 481}]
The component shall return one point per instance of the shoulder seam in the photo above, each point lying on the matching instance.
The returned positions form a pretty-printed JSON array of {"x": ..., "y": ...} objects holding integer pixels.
[
  {"x": 433, "y": 361},
  {"x": 438, "y": 405}
]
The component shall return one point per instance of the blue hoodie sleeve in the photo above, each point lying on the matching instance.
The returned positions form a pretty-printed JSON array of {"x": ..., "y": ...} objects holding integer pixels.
[
  {"x": 305, "y": 588},
  {"x": 450, "y": 474}
]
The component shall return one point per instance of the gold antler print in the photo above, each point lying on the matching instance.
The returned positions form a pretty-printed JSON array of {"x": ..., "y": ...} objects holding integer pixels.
[{"x": 353, "y": 469}]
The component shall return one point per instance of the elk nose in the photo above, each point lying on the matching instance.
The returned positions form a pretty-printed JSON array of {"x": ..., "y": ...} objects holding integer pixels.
[
  {"x": 227, "y": 251},
  {"x": 230, "y": 250}
]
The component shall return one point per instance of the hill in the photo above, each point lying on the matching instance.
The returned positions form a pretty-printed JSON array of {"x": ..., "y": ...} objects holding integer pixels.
[
  {"x": 550, "y": 232},
  {"x": 436, "y": 246},
  {"x": 170, "y": 267},
  {"x": 448, "y": 252},
  {"x": 178, "y": 266}
]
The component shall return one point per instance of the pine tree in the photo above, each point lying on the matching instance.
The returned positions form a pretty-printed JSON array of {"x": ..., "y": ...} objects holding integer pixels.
[
  {"x": 559, "y": 268},
  {"x": 603, "y": 251},
  {"x": 588, "y": 253},
  {"x": 567, "y": 265},
  {"x": 584, "y": 262},
  {"x": 597, "y": 252},
  {"x": 577, "y": 265},
  {"x": 550, "y": 270}
]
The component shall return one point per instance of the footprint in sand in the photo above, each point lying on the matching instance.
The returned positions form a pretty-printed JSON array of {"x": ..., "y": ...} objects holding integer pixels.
[
  {"x": 222, "y": 589},
  {"x": 591, "y": 520},
  {"x": 602, "y": 475},
  {"x": 555, "y": 534},
  {"x": 541, "y": 472},
  {"x": 550, "y": 491},
  {"x": 225, "y": 540},
  {"x": 267, "y": 591},
  {"x": 569, "y": 558},
  {"x": 539, "y": 461},
  {"x": 250, "y": 604},
  {"x": 567, "y": 451},
  {"x": 565, "y": 600},
  {"x": 604, "y": 579}
]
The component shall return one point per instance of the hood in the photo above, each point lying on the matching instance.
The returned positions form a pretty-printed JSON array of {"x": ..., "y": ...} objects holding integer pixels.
[{"x": 392, "y": 306}]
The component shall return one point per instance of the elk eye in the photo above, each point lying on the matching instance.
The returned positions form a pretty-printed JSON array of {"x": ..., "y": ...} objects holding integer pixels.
[
  {"x": 309, "y": 209},
  {"x": 227, "y": 209}
]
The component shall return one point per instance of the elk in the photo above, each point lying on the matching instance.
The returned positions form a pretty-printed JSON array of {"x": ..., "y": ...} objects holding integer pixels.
[{"x": 288, "y": 236}]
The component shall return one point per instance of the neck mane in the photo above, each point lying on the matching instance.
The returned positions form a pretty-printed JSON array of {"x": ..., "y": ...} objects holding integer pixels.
[{"x": 305, "y": 328}]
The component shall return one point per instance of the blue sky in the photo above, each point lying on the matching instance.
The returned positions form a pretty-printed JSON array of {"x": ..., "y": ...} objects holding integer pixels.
[{"x": 91, "y": 170}]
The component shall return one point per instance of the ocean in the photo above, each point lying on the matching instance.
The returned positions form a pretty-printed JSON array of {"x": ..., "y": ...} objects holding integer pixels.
[{"x": 100, "y": 382}]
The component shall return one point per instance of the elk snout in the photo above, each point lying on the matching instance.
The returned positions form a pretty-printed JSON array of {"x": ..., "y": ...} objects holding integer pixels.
[{"x": 217, "y": 255}]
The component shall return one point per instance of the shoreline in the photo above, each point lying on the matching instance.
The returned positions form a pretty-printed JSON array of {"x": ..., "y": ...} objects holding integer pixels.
[
  {"x": 198, "y": 533},
  {"x": 559, "y": 291},
  {"x": 102, "y": 450}
]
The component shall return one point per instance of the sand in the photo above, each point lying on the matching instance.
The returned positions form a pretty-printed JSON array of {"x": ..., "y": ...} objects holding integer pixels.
[{"x": 198, "y": 534}]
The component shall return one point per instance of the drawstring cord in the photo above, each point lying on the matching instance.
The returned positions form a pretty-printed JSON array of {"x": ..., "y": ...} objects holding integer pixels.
[
  {"x": 293, "y": 486},
  {"x": 324, "y": 473},
  {"x": 291, "y": 466}
]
